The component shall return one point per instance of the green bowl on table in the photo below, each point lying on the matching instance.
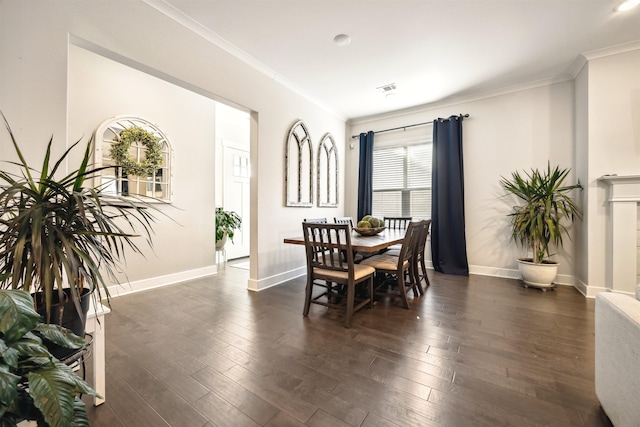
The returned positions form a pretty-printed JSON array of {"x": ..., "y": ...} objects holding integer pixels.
[{"x": 368, "y": 231}]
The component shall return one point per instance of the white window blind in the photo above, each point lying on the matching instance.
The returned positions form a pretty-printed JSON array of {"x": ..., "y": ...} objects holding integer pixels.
[{"x": 402, "y": 180}]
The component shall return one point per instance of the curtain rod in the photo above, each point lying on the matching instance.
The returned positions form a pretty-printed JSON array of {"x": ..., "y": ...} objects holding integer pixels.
[{"x": 405, "y": 127}]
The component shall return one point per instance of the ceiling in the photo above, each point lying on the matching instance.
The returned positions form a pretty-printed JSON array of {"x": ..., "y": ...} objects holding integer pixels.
[{"x": 433, "y": 50}]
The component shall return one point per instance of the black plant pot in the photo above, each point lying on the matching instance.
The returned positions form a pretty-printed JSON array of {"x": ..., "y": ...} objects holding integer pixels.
[{"x": 69, "y": 318}]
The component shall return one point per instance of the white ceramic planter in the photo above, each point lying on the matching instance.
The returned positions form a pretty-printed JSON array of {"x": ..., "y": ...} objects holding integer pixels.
[
  {"x": 220, "y": 243},
  {"x": 538, "y": 275}
]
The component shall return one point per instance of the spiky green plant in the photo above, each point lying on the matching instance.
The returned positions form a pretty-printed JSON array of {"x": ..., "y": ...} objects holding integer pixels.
[
  {"x": 59, "y": 230},
  {"x": 33, "y": 384},
  {"x": 546, "y": 205}
]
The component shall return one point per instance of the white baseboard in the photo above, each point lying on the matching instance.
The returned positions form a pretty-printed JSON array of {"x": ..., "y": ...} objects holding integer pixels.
[
  {"x": 592, "y": 291},
  {"x": 268, "y": 282},
  {"x": 262, "y": 284},
  {"x": 156, "y": 282},
  {"x": 511, "y": 273},
  {"x": 507, "y": 273}
]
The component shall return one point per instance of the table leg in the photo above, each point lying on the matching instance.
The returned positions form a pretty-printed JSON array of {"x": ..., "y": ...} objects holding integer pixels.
[{"x": 96, "y": 326}]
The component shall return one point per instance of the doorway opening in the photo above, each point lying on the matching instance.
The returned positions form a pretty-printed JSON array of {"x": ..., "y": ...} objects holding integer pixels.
[{"x": 233, "y": 174}]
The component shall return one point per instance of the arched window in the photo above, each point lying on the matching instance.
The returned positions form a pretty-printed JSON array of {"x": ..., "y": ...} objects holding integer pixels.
[
  {"x": 138, "y": 154},
  {"x": 327, "y": 172},
  {"x": 299, "y": 166}
]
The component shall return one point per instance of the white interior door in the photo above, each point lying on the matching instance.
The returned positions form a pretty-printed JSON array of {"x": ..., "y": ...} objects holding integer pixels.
[{"x": 235, "y": 196}]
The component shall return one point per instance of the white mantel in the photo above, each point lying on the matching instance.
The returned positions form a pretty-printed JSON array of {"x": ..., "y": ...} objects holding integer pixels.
[{"x": 623, "y": 196}]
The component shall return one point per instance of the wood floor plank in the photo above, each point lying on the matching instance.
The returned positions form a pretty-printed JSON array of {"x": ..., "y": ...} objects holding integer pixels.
[
  {"x": 474, "y": 350},
  {"x": 322, "y": 418},
  {"x": 222, "y": 413},
  {"x": 278, "y": 397},
  {"x": 251, "y": 405},
  {"x": 330, "y": 404},
  {"x": 156, "y": 394},
  {"x": 373, "y": 420},
  {"x": 282, "y": 419},
  {"x": 131, "y": 409}
]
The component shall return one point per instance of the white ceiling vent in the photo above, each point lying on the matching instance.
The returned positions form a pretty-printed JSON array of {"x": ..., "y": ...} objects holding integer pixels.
[{"x": 387, "y": 88}]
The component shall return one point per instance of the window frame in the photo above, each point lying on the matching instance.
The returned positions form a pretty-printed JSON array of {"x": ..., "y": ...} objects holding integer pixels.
[
  {"x": 103, "y": 138},
  {"x": 406, "y": 190}
]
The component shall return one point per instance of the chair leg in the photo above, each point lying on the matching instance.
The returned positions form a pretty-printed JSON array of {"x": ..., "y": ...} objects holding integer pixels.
[
  {"x": 416, "y": 278},
  {"x": 308, "y": 296},
  {"x": 371, "y": 285},
  {"x": 403, "y": 291},
  {"x": 350, "y": 305},
  {"x": 424, "y": 272}
]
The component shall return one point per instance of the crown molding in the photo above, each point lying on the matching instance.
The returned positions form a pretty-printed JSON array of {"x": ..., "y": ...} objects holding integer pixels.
[
  {"x": 577, "y": 66},
  {"x": 590, "y": 55},
  {"x": 612, "y": 50},
  {"x": 186, "y": 21}
]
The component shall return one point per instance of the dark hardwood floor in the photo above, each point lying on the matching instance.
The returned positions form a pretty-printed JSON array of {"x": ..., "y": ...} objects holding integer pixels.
[{"x": 474, "y": 351}]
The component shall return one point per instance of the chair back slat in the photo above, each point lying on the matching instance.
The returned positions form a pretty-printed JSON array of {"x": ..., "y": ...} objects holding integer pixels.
[
  {"x": 399, "y": 222},
  {"x": 409, "y": 243},
  {"x": 343, "y": 220},
  {"x": 328, "y": 246},
  {"x": 422, "y": 239},
  {"x": 316, "y": 220}
]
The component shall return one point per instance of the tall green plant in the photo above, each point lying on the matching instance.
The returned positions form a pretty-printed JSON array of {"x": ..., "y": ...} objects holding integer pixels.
[
  {"x": 33, "y": 384},
  {"x": 546, "y": 204},
  {"x": 57, "y": 229}
]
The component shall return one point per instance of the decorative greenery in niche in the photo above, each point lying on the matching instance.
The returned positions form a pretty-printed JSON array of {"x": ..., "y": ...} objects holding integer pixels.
[
  {"x": 153, "y": 155},
  {"x": 226, "y": 222}
]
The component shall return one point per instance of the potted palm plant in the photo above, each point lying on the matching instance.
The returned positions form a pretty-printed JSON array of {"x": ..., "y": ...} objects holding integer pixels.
[
  {"x": 226, "y": 224},
  {"x": 35, "y": 386},
  {"x": 539, "y": 219},
  {"x": 59, "y": 234}
]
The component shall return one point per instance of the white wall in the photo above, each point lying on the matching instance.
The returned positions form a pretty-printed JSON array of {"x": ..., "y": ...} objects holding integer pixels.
[
  {"x": 611, "y": 134},
  {"x": 34, "y": 94},
  {"x": 232, "y": 127},
  {"x": 100, "y": 89},
  {"x": 504, "y": 133},
  {"x": 591, "y": 124},
  {"x": 582, "y": 240}
]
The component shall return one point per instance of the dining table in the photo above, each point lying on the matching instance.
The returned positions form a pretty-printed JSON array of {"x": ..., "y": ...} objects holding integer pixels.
[{"x": 365, "y": 244}]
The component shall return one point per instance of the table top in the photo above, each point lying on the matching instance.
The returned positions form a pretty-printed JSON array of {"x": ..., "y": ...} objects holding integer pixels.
[{"x": 386, "y": 238}]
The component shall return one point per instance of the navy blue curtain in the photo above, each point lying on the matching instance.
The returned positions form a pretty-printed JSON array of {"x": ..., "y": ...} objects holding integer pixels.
[
  {"x": 448, "y": 241},
  {"x": 365, "y": 175}
]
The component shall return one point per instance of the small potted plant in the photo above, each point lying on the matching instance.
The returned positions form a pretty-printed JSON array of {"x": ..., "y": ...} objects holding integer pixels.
[
  {"x": 35, "y": 385},
  {"x": 59, "y": 234},
  {"x": 539, "y": 220},
  {"x": 226, "y": 224}
]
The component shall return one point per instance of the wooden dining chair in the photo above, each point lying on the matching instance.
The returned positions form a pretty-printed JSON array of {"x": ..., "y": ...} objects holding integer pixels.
[
  {"x": 418, "y": 266},
  {"x": 398, "y": 223},
  {"x": 329, "y": 262},
  {"x": 397, "y": 268}
]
